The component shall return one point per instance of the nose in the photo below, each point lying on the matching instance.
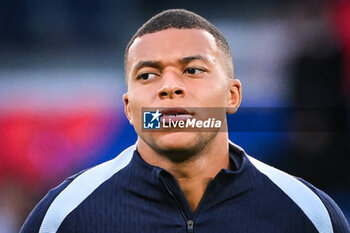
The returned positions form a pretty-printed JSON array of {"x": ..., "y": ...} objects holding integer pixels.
[{"x": 171, "y": 86}]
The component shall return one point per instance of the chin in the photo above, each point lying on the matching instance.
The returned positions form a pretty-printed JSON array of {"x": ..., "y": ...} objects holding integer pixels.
[
  {"x": 180, "y": 146},
  {"x": 176, "y": 140}
]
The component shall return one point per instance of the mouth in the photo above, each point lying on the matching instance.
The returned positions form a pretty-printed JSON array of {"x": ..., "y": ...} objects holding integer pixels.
[{"x": 175, "y": 114}]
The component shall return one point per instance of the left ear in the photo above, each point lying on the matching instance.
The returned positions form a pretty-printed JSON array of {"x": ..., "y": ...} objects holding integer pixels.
[{"x": 234, "y": 96}]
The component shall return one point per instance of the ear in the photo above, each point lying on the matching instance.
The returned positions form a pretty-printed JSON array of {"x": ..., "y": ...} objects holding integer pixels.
[
  {"x": 234, "y": 96},
  {"x": 127, "y": 108}
]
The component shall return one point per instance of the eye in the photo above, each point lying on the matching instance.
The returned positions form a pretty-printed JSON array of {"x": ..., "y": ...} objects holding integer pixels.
[
  {"x": 192, "y": 70},
  {"x": 146, "y": 76}
]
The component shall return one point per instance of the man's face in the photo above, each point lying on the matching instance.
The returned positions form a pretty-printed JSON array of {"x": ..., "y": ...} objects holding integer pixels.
[{"x": 177, "y": 68}]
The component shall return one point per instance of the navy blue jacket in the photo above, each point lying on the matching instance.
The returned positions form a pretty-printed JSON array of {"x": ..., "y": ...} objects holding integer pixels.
[{"x": 127, "y": 195}]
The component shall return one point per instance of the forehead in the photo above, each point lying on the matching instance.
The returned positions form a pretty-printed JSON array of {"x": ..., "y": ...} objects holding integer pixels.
[{"x": 172, "y": 44}]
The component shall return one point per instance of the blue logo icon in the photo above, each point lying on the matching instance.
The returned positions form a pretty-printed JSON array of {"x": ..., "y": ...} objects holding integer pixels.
[{"x": 151, "y": 120}]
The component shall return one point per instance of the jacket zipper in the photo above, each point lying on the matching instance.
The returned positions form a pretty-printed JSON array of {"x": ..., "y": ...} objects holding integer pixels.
[
  {"x": 189, "y": 226},
  {"x": 189, "y": 223}
]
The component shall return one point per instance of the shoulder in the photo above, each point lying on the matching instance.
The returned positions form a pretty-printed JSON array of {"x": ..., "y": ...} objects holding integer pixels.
[
  {"x": 338, "y": 219},
  {"x": 33, "y": 222},
  {"x": 52, "y": 210},
  {"x": 319, "y": 208}
]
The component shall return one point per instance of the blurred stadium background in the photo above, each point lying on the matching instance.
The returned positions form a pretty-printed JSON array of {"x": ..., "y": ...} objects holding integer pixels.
[{"x": 61, "y": 82}]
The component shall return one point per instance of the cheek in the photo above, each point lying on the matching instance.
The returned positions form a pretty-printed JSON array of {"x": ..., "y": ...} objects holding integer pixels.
[
  {"x": 139, "y": 99},
  {"x": 136, "y": 115},
  {"x": 212, "y": 92},
  {"x": 134, "y": 105}
]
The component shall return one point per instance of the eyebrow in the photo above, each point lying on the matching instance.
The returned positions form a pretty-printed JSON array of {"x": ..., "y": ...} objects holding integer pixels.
[
  {"x": 191, "y": 58},
  {"x": 157, "y": 64},
  {"x": 141, "y": 64}
]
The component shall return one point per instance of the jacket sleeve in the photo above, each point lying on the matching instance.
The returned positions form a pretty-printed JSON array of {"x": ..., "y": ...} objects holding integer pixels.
[
  {"x": 339, "y": 222},
  {"x": 35, "y": 218}
]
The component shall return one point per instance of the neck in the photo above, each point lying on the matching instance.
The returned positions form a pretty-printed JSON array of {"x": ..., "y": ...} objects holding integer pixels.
[{"x": 194, "y": 174}]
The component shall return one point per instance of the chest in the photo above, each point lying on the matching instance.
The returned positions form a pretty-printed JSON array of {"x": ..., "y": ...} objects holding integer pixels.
[{"x": 234, "y": 215}]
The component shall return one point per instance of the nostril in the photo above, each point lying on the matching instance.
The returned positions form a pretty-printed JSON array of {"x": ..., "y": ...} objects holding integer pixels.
[
  {"x": 178, "y": 92},
  {"x": 163, "y": 93}
]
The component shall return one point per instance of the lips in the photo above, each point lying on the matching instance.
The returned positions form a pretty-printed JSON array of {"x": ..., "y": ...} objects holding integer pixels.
[
  {"x": 174, "y": 111},
  {"x": 175, "y": 114}
]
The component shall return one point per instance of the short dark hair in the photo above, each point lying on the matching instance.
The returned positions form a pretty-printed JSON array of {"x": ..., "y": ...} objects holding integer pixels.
[{"x": 181, "y": 19}]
